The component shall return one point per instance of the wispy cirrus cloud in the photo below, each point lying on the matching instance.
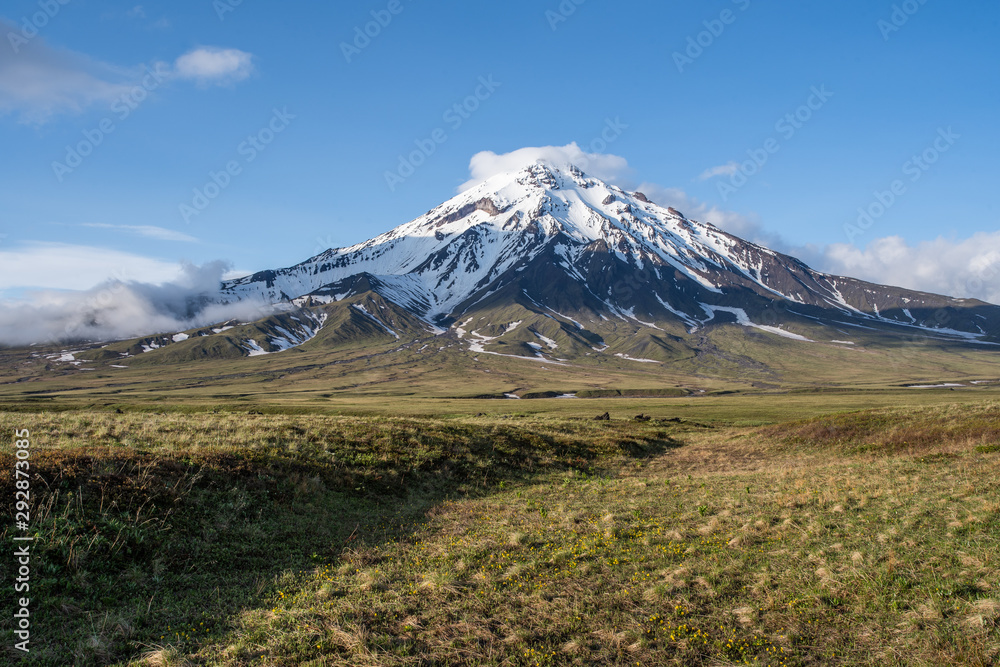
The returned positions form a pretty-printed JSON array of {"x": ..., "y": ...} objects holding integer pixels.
[
  {"x": 39, "y": 82},
  {"x": 148, "y": 231},
  {"x": 68, "y": 266},
  {"x": 727, "y": 169},
  {"x": 214, "y": 66}
]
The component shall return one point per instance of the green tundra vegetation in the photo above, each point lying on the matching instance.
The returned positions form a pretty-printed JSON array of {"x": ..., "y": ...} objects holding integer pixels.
[{"x": 787, "y": 528}]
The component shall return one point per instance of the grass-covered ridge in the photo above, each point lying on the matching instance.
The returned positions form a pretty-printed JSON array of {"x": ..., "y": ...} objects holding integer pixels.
[
  {"x": 247, "y": 539},
  {"x": 155, "y": 509},
  {"x": 895, "y": 431}
]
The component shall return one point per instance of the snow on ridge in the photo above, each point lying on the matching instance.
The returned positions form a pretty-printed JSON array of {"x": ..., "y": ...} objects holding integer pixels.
[
  {"x": 255, "y": 349},
  {"x": 548, "y": 341},
  {"x": 644, "y": 361},
  {"x": 306, "y": 333},
  {"x": 460, "y": 328},
  {"x": 480, "y": 244},
  {"x": 515, "y": 356},
  {"x": 743, "y": 320},
  {"x": 288, "y": 339},
  {"x": 629, "y": 313},
  {"x": 684, "y": 316},
  {"x": 566, "y": 317},
  {"x": 444, "y": 257},
  {"x": 374, "y": 319},
  {"x": 476, "y": 345}
]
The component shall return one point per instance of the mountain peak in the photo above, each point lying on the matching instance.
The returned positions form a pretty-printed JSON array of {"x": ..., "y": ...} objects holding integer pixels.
[
  {"x": 541, "y": 173},
  {"x": 547, "y": 230},
  {"x": 548, "y": 174}
]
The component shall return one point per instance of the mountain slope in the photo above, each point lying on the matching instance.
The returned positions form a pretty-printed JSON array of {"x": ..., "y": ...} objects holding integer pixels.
[
  {"x": 570, "y": 247},
  {"x": 541, "y": 282}
]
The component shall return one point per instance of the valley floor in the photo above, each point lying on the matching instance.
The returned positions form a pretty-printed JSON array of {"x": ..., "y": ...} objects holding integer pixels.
[{"x": 818, "y": 535}]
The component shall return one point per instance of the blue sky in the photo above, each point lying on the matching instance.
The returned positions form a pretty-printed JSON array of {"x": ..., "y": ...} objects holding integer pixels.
[{"x": 895, "y": 80}]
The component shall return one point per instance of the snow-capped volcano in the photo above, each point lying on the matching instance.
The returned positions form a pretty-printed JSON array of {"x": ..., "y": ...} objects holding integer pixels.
[
  {"x": 556, "y": 240},
  {"x": 445, "y": 256}
]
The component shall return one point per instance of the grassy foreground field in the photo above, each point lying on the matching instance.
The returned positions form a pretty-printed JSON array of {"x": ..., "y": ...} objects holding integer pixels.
[{"x": 196, "y": 538}]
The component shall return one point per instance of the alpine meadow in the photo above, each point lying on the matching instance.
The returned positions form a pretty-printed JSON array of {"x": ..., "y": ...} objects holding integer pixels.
[{"x": 733, "y": 399}]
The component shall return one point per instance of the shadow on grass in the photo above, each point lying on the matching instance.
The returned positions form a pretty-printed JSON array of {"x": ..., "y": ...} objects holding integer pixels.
[{"x": 138, "y": 549}]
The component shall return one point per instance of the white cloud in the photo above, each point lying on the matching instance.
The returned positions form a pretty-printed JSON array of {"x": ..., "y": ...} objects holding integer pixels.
[
  {"x": 39, "y": 82},
  {"x": 119, "y": 309},
  {"x": 738, "y": 224},
  {"x": 149, "y": 231},
  {"x": 136, "y": 12},
  {"x": 214, "y": 65},
  {"x": 63, "y": 266},
  {"x": 968, "y": 268},
  {"x": 487, "y": 164},
  {"x": 727, "y": 169}
]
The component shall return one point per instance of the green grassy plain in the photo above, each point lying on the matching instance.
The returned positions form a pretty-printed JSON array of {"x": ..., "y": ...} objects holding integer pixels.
[
  {"x": 767, "y": 527},
  {"x": 427, "y": 374}
]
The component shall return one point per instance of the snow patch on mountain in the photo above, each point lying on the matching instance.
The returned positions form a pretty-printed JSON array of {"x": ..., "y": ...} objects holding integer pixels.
[
  {"x": 374, "y": 319},
  {"x": 470, "y": 248},
  {"x": 254, "y": 349},
  {"x": 441, "y": 258},
  {"x": 643, "y": 361},
  {"x": 548, "y": 341},
  {"x": 743, "y": 320}
]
